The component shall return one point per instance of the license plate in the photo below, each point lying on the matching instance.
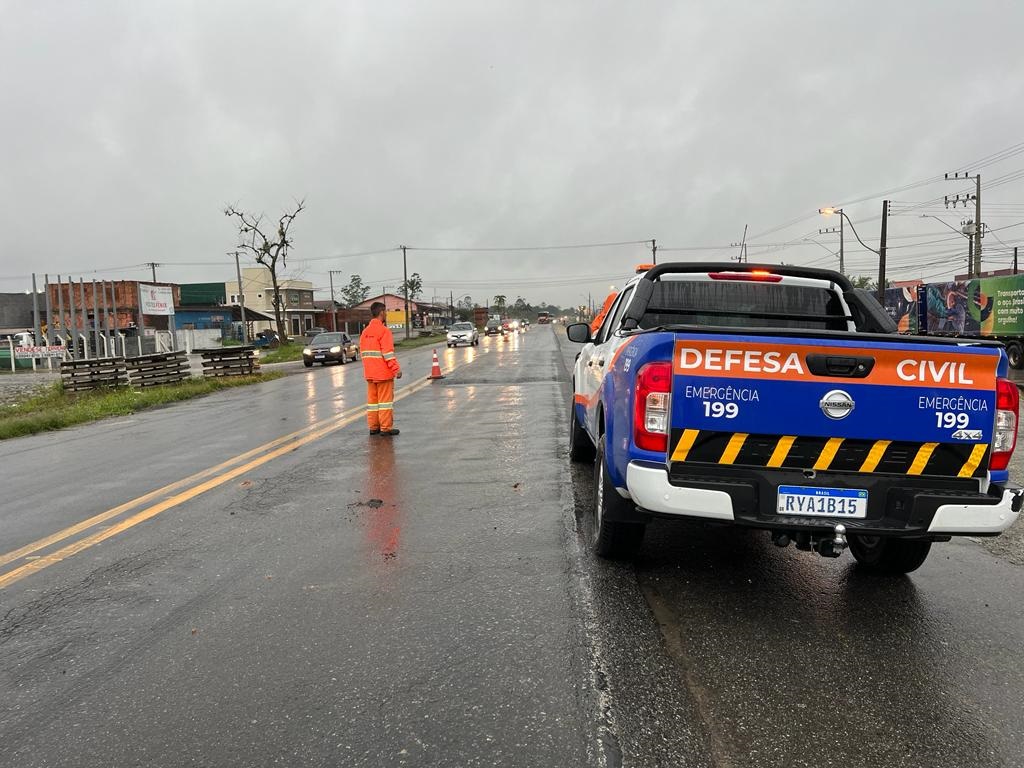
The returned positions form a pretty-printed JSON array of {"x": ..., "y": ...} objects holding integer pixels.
[
  {"x": 827, "y": 502},
  {"x": 318, "y": 357}
]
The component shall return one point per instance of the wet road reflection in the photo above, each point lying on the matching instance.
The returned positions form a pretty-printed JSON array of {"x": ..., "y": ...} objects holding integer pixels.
[{"x": 383, "y": 520}]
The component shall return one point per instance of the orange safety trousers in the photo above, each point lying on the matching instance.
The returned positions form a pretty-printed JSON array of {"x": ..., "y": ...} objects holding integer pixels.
[{"x": 380, "y": 396}]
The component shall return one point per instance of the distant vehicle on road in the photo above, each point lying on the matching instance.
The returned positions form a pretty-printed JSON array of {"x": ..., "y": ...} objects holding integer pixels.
[
  {"x": 493, "y": 327},
  {"x": 330, "y": 348},
  {"x": 463, "y": 333},
  {"x": 266, "y": 339},
  {"x": 543, "y": 318},
  {"x": 312, "y": 333}
]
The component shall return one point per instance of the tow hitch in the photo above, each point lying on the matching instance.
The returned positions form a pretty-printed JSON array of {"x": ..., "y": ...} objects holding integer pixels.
[{"x": 827, "y": 545}]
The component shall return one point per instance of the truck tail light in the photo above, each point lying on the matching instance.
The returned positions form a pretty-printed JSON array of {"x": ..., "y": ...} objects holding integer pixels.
[
  {"x": 1004, "y": 437},
  {"x": 652, "y": 407},
  {"x": 755, "y": 275}
]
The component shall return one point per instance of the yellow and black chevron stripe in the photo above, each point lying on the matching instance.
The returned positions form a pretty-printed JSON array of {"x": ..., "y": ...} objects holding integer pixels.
[{"x": 836, "y": 453}]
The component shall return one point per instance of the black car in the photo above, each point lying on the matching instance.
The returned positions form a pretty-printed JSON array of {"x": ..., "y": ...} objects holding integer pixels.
[{"x": 330, "y": 348}]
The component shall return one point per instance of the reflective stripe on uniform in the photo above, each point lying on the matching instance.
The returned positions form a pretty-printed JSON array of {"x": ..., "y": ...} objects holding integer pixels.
[
  {"x": 388, "y": 355},
  {"x": 372, "y": 406},
  {"x": 385, "y": 406},
  {"x": 369, "y": 353}
]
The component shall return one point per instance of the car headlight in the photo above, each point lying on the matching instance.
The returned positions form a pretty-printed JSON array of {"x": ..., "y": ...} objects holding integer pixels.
[
  {"x": 335, "y": 350},
  {"x": 307, "y": 351}
]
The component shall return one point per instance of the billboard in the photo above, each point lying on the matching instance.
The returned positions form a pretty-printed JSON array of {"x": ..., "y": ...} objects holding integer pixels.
[
  {"x": 901, "y": 304},
  {"x": 952, "y": 308},
  {"x": 156, "y": 299},
  {"x": 1000, "y": 305}
]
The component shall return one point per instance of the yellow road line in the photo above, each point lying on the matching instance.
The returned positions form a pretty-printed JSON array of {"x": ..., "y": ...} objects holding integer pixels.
[
  {"x": 828, "y": 453},
  {"x": 732, "y": 450},
  {"x": 781, "y": 450},
  {"x": 874, "y": 456},
  {"x": 313, "y": 433}
]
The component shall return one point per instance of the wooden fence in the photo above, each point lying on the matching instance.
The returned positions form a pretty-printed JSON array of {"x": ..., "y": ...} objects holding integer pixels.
[
  {"x": 230, "y": 361},
  {"x": 83, "y": 375},
  {"x": 151, "y": 370}
]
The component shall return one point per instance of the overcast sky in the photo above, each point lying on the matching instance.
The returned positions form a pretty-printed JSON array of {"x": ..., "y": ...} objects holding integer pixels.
[{"x": 127, "y": 127}]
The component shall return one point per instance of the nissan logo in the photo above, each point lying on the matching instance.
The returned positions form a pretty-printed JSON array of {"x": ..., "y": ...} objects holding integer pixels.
[{"x": 836, "y": 404}]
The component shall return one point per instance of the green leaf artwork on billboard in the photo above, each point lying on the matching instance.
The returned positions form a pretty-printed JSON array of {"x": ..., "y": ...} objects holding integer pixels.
[{"x": 999, "y": 303}]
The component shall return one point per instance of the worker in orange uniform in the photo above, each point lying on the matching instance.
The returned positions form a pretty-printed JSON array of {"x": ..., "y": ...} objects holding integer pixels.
[
  {"x": 595, "y": 324},
  {"x": 381, "y": 368}
]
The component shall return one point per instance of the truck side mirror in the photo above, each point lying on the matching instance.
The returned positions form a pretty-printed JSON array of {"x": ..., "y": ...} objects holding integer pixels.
[{"x": 578, "y": 332}]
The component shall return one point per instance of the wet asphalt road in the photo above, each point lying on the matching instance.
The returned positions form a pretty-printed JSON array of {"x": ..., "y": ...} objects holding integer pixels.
[{"x": 335, "y": 599}]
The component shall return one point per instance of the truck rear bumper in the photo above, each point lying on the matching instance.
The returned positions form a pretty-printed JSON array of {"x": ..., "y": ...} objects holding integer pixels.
[{"x": 898, "y": 508}]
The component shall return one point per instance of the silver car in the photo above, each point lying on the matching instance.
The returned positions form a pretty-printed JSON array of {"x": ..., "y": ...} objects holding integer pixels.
[{"x": 462, "y": 333}]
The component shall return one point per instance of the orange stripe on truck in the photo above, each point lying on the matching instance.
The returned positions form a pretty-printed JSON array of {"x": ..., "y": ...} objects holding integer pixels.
[{"x": 787, "y": 362}]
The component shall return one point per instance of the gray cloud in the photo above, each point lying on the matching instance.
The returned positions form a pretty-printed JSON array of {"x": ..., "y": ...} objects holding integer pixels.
[{"x": 129, "y": 125}]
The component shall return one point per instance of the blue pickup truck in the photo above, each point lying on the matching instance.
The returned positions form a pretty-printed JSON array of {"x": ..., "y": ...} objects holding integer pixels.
[{"x": 781, "y": 398}]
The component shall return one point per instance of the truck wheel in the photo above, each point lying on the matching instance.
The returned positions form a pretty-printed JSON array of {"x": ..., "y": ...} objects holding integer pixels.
[
  {"x": 308, "y": 364},
  {"x": 888, "y": 556},
  {"x": 581, "y": 449},
  {"x": 1015, "y": 355},
  {"x": 612, "y": 539}
]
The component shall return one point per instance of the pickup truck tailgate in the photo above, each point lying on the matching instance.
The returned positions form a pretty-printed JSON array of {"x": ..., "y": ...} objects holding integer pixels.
[{"x": 859, "y": 405}]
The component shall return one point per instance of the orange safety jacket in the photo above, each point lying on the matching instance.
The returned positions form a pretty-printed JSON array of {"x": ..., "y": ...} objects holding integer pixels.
[
  {"x": 377, "y": 351},
  {"x": 595, "y": 324}
]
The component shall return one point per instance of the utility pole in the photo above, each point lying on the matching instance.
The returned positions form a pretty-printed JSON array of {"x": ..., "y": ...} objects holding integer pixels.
[
  {"x": 881, "y": 253},
  {"x": 72, "y": 320},
  {"x": 405, "y": 286},
  {"x": 49, "y": 313},
  {"x": 241, "y": 300},
  {"x": 978, "y": 230},
  {"x": 153, "y": 265},
  {"x": 654, "y": 251},
  {"x": 1015, "y": 259},
  {"x": 60, "y": 309},
  {"x": 85, "y": 317},
  {"x": 37, "y": 331},
  {"x": 974, "y": 264},
  {"x": 836, "y": 231},
  {"x": 96, "y": 319},
  {"x": 334, "y": 316}
]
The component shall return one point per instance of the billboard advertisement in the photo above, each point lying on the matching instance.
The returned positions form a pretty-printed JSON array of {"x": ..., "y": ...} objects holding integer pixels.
[
  {"x": 952, "y": 308},
  {"x": 1000, "y": 305},
  {"x": 156, "y": 299},
  {"x": 901, "y": 304}
]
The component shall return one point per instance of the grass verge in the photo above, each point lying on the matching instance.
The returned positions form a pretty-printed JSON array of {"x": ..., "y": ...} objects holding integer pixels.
[
  {"x": 57, "y": 409},
  {"x": 418, "y": 341},
  {"x": 285, "y": 353}
]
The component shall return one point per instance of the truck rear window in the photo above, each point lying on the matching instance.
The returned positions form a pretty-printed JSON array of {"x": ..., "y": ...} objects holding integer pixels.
[{"x": 740, "y": 304}]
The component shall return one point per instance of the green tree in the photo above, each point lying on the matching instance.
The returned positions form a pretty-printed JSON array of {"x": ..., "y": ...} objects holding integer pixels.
[
  {"x": 356, "y": 292},
  {"x": 500, "y": 301},
  {"x": 414, "y": 284}
]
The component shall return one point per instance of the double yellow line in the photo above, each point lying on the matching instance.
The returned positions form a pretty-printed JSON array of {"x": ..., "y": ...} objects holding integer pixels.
[{"x": 193, "y": 486}]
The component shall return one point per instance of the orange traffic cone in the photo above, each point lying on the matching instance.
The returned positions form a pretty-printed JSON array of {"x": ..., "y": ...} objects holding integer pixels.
[{"x": 435, "y": 369}]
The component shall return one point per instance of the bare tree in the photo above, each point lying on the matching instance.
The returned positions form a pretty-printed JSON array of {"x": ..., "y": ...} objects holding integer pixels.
[{"x": 272, "y": 253}]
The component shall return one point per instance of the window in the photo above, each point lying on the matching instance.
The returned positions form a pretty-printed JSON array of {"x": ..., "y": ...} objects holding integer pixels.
[
  {"x": 309, "y": 322},
  {"x": 743, "y": 304},
  {"x": 614, "y": 316},
  {"x": 293, "y": 297},
  {"x": 234, "y": 299},
  {"x": 295, "y": 326}
]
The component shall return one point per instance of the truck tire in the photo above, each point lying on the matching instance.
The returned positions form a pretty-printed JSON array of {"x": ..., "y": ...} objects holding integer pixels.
[
  {"x": 1015, "y": 355},
  {"x": 612, "y": 539},
  {"x": 581, "y": 449},
  {"x": 892, "y": 557}
]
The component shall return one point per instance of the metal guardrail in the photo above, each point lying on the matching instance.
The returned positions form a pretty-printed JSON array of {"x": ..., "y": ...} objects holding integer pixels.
[
  {"x": 152, "y": 370},
  {"x": 230, "y": 361},
  {"x": 85, "y": 375}
]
